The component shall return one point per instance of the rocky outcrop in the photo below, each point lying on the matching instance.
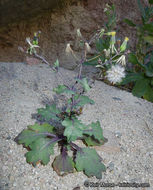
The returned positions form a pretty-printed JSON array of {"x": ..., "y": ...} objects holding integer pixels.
[
  {"x": 59, "y": 25},
  {"x": 14, "y": 11}
]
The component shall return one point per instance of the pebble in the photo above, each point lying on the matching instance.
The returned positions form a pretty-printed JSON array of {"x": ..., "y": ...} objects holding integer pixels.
[
  {"x": 118, "y": 134},
  {"x": 111, "y": 166}
]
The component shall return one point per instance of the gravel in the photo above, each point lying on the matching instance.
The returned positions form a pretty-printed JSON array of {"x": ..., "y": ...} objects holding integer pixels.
[{"x": 127, "y": 122}]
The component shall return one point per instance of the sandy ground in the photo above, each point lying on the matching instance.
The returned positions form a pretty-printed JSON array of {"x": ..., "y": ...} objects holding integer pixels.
[{"x": 127, "y": 122}]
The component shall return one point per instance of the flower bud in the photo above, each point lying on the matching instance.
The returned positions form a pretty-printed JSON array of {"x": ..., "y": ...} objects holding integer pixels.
[
  {"x": 124, "y": 44},
  {"x": 113, "y": 33}
]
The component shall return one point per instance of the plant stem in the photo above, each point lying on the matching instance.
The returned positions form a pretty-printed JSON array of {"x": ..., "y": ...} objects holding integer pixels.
[
  {"x": 41, "y": 58},
  {"x": 95, "y": 57},
  {"x": 49, "y": 134},
  {"x": 80, "y": 71},
  {"x": 64, "y": 151},
  {"x": 75, "y": 146}
]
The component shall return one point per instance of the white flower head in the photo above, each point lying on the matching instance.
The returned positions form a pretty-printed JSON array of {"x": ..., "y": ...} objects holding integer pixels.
[
  {"x": 88, "y": 48},
  {"x": 68, "y": 49},
  {"x": 121, "y": 60},
  {"x": 115, "y": 74}
]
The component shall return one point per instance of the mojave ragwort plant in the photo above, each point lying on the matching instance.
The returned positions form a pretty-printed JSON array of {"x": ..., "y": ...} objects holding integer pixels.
[{"x": 61, "y": 125}]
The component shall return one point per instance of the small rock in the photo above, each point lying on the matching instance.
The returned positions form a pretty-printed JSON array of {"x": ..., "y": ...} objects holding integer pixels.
[
  {"x": 11, "y": 178},
  {"x": 77, "y": 188},
  {"x": 118, "y": 134},
  {"x": 111, "y": 166},
  {"x": 8, "y": 138},
  {"x": 14, "y": 184},
  {"x": 123, "y": 149},
  {"x": 115, "y": 98}
]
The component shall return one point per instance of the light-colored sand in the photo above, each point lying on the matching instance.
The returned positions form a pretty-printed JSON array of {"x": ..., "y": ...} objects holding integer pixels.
[{"x": 127, "y": 122}]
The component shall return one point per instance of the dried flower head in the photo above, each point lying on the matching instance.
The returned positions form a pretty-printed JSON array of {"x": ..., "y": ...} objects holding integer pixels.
[
  {"x": 88, "y": 48},
  {"x": 115, "y": 74},
  {"x": 79, "y": 33},
  {"x": 107, "y": 52},
  {"x": 29, "y": 42},
  {"x": 68, "y": 49},
  {"x": 121, "y": 60},
  {"x": 99, "y": 61}
]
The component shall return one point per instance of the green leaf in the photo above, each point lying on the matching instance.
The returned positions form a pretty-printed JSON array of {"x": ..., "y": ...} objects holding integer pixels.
[
  {"x": 84, "y": 100},
  {"x": 90, "y": 141},
  {"x": 89, "y": 161},
  {"x": 132, "y": 77},
  {"x": 91, "y": 63},
  {"x": 140, "y": 87},
  {"x": 63, "y": 89},
  {"x": 60, "y": 89},
  {"x": 63, "y": 165},
  {"x": 149, "y": 94},
  {"x": 149, "y": 73},
  {"x": 152, "y": 82},
  {"x": 148, "y": 39},
  {"x": 41, "y": 128},
  {"x": 34, "y": 132},
  {"x": 94, "y": 129},
  {"x": 151, "y": 1},
  {"x": 50, "y": 112},
  {"x": 129, "y": 22},
  {"x": 56, "y": 64},
  {"x": 80, "y": 101},
  {"x": 133, "y": 59},
  {"x": 73, "y": 129},
  {"x": 41, "y": 150},
  {"x": 148, "y": 27},
  {"x": 84, "y": 83}
]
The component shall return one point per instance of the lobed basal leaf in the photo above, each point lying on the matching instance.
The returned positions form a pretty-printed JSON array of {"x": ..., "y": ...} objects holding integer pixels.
[
  {"x": 73, "y": 129},
  {"x": 26, "y": 137},
  {"x": 94, "y": 129},
  {"x": 41, "y": 149},
  {"x": 89, "y": 161},
  {"x": 91, "y": 141},
  {"x": 33, "y": 133},
  {"x": 41, "y": 128},
  {"x": 63, "y": 165}
]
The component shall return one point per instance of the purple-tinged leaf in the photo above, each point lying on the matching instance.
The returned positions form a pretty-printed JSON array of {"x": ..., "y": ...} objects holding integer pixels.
[
  {"x": 41, "y": 150},
  {"x": 63, "y": 164}
]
